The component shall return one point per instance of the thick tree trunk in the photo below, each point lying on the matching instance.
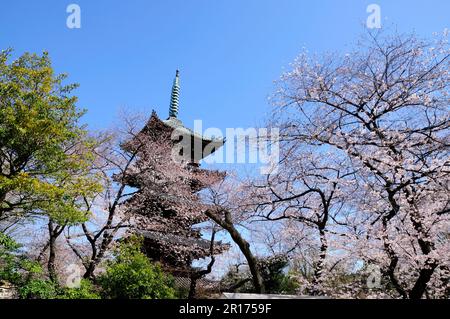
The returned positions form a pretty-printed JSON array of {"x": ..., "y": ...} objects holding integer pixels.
[
  {"x": 421, "y": 283},
  {"x": 199, "y": 274},
  {"x": 243, "y": 245},
  {"x": 426, "y": 246},
  {"x": 3, "y": 211},
  {"x": 317, "y": 280},
  {"x": 54, "y": 232},
  {"x": 192, "y": 288},
  {"x": 51, "y": 267},
  {"x": 393, "y": 258},
  {"x": 97, "y": 255},
  {"x": 2, "y": 198},
  {"x": 89, "y": 273}
]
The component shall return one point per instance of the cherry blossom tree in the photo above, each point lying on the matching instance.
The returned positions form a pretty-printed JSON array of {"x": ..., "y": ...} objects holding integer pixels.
[
  {"x": 228, "y": 210},
  {"x": 386, "y": 107},
  {"x": 310, "y": 188},
  {"x": 166, "y": 207},
  {"x": 92, "y": 240}
]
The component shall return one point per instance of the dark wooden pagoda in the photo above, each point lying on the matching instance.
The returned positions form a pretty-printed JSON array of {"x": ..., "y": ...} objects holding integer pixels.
[{"x": 167, "y": 207}]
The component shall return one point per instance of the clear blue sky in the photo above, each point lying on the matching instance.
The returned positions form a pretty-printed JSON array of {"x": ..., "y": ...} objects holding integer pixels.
[{"x": 229, "y": 51}]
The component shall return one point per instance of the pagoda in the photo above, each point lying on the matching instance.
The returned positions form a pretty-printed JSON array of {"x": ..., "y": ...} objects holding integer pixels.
[{"x": 167, "y": 207}]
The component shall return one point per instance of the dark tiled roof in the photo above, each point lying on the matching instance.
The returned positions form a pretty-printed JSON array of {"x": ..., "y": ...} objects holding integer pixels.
[{"x": 176, "y": 240}]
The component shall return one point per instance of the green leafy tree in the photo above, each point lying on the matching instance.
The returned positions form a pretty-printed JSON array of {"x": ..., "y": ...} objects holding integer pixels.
[
  {"x": 45, "y": 155},
  {"x": 274, "y": 277},
  {"x": 47, "y": 289},
  {"x": 18, "y": 270},
  {"x": 9, "y": 261},
  {"x": 131, "y": 275},
  {"x": 44, "y": 152},
  {"x": 86, "y": 290},
  {"x": 38, "y": 289}
]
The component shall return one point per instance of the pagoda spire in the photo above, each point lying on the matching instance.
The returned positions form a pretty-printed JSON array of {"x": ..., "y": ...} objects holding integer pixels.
[{"x": 174, "y": 97}]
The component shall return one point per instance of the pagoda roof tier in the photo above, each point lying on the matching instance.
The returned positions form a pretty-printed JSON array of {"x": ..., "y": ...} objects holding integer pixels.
[
  {"x": 209, "y": 145},
  {"x": 175, "y": 251},
  {"x": 177, "y": 131},
  {"x": 177, "y": 240}
]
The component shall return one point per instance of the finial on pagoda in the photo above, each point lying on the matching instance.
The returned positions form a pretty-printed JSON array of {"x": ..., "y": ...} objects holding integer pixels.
[{"x": 174, "y": 97}]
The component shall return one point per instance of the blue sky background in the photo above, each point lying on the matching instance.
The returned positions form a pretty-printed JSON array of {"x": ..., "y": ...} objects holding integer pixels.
[{"x": 229, "y": 51}]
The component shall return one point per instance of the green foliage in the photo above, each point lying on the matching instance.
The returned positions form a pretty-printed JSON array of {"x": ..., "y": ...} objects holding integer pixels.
[
  {"x": 86, "y": 290},
  {"x": 181, "y": 292},
  {"x": 131, "y": 275},
  {"x": 275, "y": 279},
  {"x": 7, "y": 243},
  {"x": 9, "y": 261},
  {"x": 38, "y": 289},
  {"x": 45, "y": 153},
  {"x": 47, "y": 289},
  {"x": 16, "y": 269},
  {"x": 288, "y": 284},
  {"x": 273, "y": 273}
]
